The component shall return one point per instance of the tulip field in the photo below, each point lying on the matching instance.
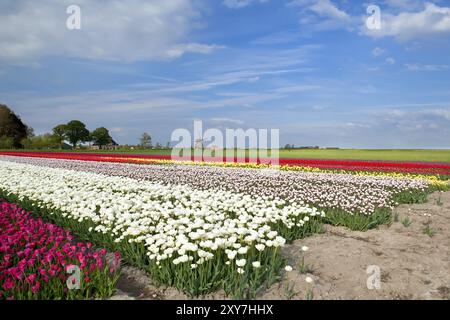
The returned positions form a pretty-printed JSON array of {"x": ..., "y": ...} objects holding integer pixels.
[{"x": 198, "y": 227}]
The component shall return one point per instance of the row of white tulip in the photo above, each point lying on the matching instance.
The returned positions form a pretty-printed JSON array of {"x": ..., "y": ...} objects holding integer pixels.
[{"x": 350, "y": 193}]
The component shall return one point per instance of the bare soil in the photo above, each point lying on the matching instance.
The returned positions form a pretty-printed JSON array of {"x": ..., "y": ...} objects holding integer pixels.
[{"x": 413, "y": 259}]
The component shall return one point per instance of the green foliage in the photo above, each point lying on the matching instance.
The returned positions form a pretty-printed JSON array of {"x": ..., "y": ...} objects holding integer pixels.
[
  {"x": 406, "y": 222},
  {"x": 30, "y": 132},
  {"x": 45, "y": 141},
  {"x": 412, "y": 196},
  {"x": 429, "y": 231},
  {"x": 101, "y": 137},
  {"x": 304, "y": 268},
  {"x": 60, "y": 132},
  {"x": 12, "y": 128},
  {"x": 6, "y": 142},
  {"x": 396, "y": 217},
  {"x": 289, "y": 291},
  {"x": 358, "y": 222},
  {"x": 76, "y": 132}
]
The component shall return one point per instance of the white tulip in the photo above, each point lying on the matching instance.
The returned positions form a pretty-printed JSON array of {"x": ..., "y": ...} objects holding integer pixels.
[
  {"x": 288, "y": 268},
  {"x": 241, "y": 262}
]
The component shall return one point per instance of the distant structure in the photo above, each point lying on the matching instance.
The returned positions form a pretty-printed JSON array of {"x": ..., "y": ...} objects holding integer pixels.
[
  {"x": 65, "y": 146},
  {"x": 110, "y": 146}
]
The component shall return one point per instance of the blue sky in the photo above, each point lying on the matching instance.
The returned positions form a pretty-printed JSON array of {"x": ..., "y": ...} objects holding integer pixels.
[{"x": 310, "y": 68}]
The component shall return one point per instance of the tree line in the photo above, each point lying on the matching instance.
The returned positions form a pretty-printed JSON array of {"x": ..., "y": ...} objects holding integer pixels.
[{"x": 16, "y": 134}]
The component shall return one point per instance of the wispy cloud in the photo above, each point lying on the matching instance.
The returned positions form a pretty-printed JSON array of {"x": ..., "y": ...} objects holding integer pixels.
[
  {"x": 227, "y": 121},
  {"x": 321, "y": 15},
  {"x": 427, "y": 67}
]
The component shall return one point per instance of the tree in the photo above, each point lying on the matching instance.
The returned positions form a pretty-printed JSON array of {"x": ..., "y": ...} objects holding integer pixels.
[
  {"x": 76, "y": 132},
  {"x": 12, "y": 129},
  {"x": 101, "y": 137},
  {"x": 60, "y": 132},
  {"x": 45, "y": 141},
  {"x": 158, "y": 145},
  {"x": 146, "y": 140},
  {"x": 30, "y": 132}
]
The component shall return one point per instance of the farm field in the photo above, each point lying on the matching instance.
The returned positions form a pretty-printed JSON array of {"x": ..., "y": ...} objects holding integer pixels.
[
  {"x": 409, "y": 155},
  {"x": 440, "y": 170},
  {"x": 212, "y": 230}
]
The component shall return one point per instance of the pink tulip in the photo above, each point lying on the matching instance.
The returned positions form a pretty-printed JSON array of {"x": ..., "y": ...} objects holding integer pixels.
[
  {"x": 9, "y": 284},
  {"x": 36, "y": 287},
  {"x": 29, "y": 244},
  {"x": 31, "y": 278}
]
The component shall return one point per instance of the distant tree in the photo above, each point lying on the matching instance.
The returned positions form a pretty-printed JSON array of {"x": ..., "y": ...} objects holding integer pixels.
[
  {"x": 146, "y": 140},
  {"x": 44, "y": 141},
  {"x": 168, "y": 145},
  {"x": 101, "y": 137},
  {"x": 289, "y": 146},
  {"x": 158, "y": 145},
  {"x": 30, "y": 132},
  {"x": 76, "y": 132},
  {"x": 11, "y": 127},
  {"x": 60, "y": 132}
]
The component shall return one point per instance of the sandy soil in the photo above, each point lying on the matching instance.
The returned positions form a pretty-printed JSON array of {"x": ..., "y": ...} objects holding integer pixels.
[{"x": 412, "y": 263}]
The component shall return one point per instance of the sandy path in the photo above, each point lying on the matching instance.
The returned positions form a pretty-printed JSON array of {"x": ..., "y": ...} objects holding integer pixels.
[{"x": 412, "y": 264}]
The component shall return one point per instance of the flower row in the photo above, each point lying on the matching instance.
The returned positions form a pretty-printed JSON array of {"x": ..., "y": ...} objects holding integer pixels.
[{"x": 42, "y": 261}]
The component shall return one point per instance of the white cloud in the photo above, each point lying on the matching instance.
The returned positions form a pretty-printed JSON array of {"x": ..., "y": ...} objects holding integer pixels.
[
  {"x": 326, "y": 8},
  {"x": 432, "y": 20},
  {"x": 237, "y": 4},
  {"x": 178, "y": 50},
  {"x": 112, "y": 30},
  {"x": 404, "y": 4}
]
